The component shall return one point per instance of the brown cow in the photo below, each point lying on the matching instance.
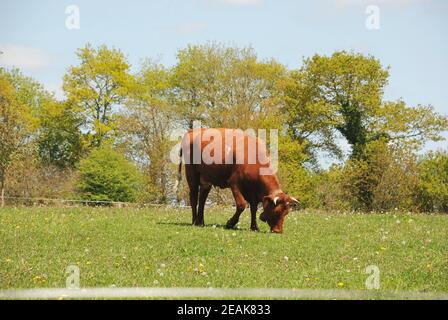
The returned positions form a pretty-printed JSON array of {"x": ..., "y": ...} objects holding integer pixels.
[{"x": 240, "y": 174}]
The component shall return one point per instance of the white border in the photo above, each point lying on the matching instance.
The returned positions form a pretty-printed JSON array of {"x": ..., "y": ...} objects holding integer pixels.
[{"x": 119, "y": 293}]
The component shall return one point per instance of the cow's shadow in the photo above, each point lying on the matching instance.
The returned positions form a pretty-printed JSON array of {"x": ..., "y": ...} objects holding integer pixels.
[{"x": 215, "y": 226}]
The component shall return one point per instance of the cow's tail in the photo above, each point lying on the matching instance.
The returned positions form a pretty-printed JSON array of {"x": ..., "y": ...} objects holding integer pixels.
[{"x": 179, "y": 173}]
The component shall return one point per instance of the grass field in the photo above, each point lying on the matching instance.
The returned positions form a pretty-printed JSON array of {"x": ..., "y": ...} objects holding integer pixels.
[{"x": 159, "y": 248}]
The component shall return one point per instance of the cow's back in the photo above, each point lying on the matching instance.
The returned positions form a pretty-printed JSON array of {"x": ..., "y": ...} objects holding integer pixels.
[{"x": 217, "y": 161}]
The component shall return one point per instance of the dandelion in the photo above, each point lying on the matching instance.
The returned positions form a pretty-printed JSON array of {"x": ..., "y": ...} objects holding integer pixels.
[{"x": 341, "y": 284}]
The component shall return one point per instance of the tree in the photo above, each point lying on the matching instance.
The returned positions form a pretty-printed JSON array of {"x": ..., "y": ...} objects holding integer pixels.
[
  {"x": 339, "y": 93},
  {"x": 60, "y": 138},
  {"x": 16, "y": 119},
  {"x": 225, "y": 86},
  {"x": 106, "y": 175},
  {"x": 344, "y": 94},
  {"x": 96, "y": 87},
  {"x": 401, "y": 124},
  {"x": 146, "y": 126}
]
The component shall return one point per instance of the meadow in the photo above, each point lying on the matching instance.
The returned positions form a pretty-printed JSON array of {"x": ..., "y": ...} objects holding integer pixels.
[{"x": 157, "y": 247}]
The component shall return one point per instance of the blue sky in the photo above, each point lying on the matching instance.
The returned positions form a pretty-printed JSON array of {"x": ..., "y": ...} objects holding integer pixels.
[{"x": 411, "y": 39}]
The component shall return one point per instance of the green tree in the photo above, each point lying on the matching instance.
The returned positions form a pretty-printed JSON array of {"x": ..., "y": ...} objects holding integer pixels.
[
  {"x": 343, "y": 94},
  {"x": 17, "y": 98},
  {"x": 432, "y": 188},
  {"x": 106, "y": 175},
  {"x": 60, "y": 138},
  {"x": 225, "y": 86},
  {"x": 146, "y": 125},
  {"x": 335, "y": 94},
  {"x": 97, "y": 87}
]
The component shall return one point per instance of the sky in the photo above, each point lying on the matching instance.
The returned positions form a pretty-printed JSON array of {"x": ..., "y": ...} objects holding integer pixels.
[{"x": 411, "y": 37}]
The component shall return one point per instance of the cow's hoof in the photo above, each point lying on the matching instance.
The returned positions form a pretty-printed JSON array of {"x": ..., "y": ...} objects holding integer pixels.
[
  {"x": 230, "y": 225},
  {"x": 255, "y": 229}
]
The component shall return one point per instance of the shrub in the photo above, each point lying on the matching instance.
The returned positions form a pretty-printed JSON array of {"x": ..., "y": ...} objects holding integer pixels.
[
  {"x": 432, "y": 188},
  {"x": 295, "y": 178},
  {"x": 331, "y": 193},
  {"x": 383, "y": 178},
  {"x": 106, "y": 175}
]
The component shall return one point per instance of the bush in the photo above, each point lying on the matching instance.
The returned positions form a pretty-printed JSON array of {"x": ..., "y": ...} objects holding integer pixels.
[
  {"x": 432, "y": 187},
  {"x": 383, "y": 178},
  {"x": 295, "y": 178},
  {"x": 106, "y": 175},
  {"x": 332, "y": 194}
]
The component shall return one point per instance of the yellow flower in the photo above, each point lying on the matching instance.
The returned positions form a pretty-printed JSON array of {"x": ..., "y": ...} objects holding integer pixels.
[{"x": 340, "y": 284}]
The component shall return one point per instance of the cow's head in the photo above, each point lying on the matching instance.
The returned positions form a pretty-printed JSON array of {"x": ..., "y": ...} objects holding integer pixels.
[{"x": 275, "y": 209}]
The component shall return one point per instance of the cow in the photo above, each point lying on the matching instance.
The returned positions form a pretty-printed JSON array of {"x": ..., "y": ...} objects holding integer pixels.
[{"x": 242, "y": 174}]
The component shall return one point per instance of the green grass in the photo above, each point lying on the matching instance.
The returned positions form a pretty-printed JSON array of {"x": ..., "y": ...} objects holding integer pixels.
[{"x": 159, "y": 248}]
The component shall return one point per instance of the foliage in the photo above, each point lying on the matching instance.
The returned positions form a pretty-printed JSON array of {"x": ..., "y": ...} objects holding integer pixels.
[
  {"x": 343, "y": 94},
  {"x": 337, "y": 93},
  {"x": 18, "y": 96},
  {"x": 60, "y": 139},
  {"x": 294, "y": 177},
  {"x": 332, "y": 191},
  {"x": 106, "y": 175},
  {"x": 384, "y": 178},
  {"x": 432, "y": 187},
  {"x": 326, "y": 100},
  {"x": 97, "y": 86},
  {"x": 146, "y": 126},
  {"x": 224, "y": 86}
]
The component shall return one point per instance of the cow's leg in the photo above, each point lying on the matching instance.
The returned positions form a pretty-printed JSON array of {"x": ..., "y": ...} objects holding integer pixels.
[
  {"x": 194, "y": 203},
  {"x": 193, "y": 184},
  {"x": 240, "y": 206},
  {"x": 253, "y": 217},
  {"x": 203, "y": 193}
]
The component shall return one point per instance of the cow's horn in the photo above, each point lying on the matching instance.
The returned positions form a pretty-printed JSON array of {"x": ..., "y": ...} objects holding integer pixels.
[
  {"x": 295, "y": 200},
  {"x": 275, "y": 200}
]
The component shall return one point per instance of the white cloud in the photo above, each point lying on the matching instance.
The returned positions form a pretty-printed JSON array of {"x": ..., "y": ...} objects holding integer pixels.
[
  {"x": 23, "y": 57},
  {"x": 241, "y": 2},
  {"x": 191, "y": 27}
]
